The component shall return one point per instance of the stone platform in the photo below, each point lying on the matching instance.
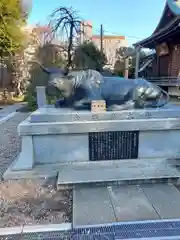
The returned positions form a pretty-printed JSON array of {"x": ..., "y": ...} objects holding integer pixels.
[
  {"x": 129, "y": 171},
  {"x": 51, "y": 114},
  {"x": 59, "y": 137},
  {"x": 106, "y": 205},
  {"x": 101, "y": 172}
]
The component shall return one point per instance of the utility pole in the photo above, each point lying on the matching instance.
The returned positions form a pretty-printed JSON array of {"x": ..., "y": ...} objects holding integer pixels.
[
  {"x": 101, "y": 38},
  {"x": 137, "y": 61},
  {"x": 126, "y": 66}
]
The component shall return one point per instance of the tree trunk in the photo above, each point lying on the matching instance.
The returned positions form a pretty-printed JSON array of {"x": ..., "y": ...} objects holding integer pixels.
[{"x": 70, "y": 46}]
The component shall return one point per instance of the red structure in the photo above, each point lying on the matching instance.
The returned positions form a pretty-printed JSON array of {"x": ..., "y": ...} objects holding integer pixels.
[
  {"x": 165, "y": 40},
  {"x": 44, "y": 33}
]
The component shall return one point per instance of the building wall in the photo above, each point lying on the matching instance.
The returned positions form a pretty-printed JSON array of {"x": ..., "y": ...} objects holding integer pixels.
[
  {"x": 163, "y": 67},
  {"x": 154, "y": 67},
  {"x": 175, "y": 61},
  {"x": 86, "y": 31},
  {"x": 168, "y": 65},
  {"x": 110, "y": 43},
  {"x": 110, "y": 46}
]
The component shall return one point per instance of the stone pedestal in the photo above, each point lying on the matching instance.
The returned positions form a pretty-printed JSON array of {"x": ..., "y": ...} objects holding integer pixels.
[
  {"x": 41, "y": 96},
  {"x": 51, "y": 136}
]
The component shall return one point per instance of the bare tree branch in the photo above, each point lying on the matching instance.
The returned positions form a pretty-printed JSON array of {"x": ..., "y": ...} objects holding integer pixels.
[{"x": 66, "y": 21}]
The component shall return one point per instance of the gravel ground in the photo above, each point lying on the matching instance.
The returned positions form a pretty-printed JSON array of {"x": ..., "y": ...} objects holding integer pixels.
[
  {"x": 27, "y": 202},
  {"x": 9, "y": 141}
]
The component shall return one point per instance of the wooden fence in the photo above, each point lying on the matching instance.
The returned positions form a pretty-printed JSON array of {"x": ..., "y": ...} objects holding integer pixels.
[{"x": 6, "y": 77}]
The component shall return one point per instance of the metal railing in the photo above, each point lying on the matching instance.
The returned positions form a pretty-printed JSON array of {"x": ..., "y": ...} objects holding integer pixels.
[{"x": 165, "y": 81}]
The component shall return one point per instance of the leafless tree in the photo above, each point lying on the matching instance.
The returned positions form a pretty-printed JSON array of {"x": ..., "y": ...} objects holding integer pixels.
[{"x": 64, "y": 21}]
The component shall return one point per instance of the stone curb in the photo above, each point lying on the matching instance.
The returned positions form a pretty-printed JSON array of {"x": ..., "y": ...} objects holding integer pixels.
[
  {"x": 11, "y": 231},
  {"x": 35, "y": 229},
  {"x": 4, "y": 119}
]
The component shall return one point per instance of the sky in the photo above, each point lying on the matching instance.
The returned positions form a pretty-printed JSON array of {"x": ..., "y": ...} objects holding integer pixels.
[{"x": 135, "y": 19}]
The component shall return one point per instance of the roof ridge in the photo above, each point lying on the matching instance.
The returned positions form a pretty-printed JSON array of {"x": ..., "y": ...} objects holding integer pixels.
[{"x": 166, "y": 28}]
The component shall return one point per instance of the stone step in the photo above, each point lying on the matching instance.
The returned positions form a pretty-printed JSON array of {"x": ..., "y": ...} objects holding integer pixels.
[
  {"x": 165, "y": 198},
  {"x": 92, "y": 206},
  {"x": 101, "y": 205},
  {"x": 122, "y": 171}
]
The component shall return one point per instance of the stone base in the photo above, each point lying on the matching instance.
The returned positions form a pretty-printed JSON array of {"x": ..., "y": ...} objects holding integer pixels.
[
  {"x": 101, "y": 172},
  {"x": 15, "y": 171},
  {"x": 50, "y": 114},
  {"x": 64, "y": 138},
  {"x": 122, "y": 172},
  {"x": 64, "y": 135}
]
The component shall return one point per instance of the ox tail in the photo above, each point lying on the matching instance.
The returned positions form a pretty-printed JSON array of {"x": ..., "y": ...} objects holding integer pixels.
[{"x": 165, "y": 97}]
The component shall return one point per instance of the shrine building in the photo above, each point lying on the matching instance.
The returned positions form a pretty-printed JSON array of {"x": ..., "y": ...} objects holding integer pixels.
[{"x": 163, "y": 66}]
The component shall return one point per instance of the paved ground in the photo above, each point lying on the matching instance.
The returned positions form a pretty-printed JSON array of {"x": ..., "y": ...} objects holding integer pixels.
[
  {"x": 9, "y": 111},
  {"x": 5, "y": 110},
  {"x": 9, "y": 141},
  {"x": 102, "y": 205}
]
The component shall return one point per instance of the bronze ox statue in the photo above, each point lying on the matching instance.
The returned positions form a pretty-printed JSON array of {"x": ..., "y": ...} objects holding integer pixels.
[{"x": 79, "y": 88}]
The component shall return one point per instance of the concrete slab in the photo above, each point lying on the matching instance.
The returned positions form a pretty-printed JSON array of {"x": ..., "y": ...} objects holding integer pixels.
[
  {"x": 39, "y": 171},
  {"x": 121, "y": 171},
  {"x": 165, "y": 198},
  {"x": 130, "y": 204},
  {"x": 92, "y": 206},
  {"x": 125, "y": 170},
  {"x": 12, "y": 108},
  {"x": 149, "y": 202}
]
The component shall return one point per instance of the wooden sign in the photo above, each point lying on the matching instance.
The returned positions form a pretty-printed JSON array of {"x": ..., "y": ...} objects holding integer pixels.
[
  {"x": 98, "y": 106},
  {"x": 113, "y": 145}
]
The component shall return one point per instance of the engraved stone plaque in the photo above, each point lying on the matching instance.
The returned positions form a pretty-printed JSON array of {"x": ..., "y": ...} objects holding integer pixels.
[{"x": 113, "y": 145}]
